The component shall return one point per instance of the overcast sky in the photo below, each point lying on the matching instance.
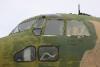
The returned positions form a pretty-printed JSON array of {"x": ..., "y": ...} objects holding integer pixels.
[{"x": 12, "y": 12}]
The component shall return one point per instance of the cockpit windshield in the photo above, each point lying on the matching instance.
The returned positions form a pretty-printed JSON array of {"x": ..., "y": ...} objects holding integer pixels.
[
  {"x": 27, "y": 24},
  {"x": 52, "y": 26}
]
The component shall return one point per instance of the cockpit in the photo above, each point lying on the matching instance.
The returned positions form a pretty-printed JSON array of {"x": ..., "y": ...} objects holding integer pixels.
[
  {"x": 50, "y": 26},
  {"x": 53, "y": 26}
]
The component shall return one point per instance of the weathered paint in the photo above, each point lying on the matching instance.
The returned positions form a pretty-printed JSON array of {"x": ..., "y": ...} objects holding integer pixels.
[{"x": 71, "y": 49}]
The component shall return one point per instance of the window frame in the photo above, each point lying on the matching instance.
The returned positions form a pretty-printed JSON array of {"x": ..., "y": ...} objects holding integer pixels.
[
  {"x": 57, "y": 58},
  {"x": 22, "y": 51}
]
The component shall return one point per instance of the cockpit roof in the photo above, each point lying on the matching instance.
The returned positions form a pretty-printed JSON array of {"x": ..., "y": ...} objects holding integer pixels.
[{"x": 27, "y": 24}]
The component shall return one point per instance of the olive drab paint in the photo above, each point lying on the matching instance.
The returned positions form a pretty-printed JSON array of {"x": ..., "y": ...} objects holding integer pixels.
[{"x": 54, "y": 40}]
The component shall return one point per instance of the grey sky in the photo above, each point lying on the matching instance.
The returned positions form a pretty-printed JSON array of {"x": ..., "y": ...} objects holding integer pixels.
[{"x": 12, "y": 12}]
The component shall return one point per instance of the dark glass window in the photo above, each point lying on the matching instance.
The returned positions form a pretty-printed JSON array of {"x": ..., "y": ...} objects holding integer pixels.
[
  {"x": 37, "y": 31},
  {"x": 77, "y": 28},
  {"x": 48, "y": 53},
  {"x": 27, "y": 54},
  {"x": 54, "y": 27}
]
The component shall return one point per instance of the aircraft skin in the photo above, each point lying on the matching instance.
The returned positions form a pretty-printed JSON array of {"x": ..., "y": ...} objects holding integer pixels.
[{"x": 69, "y": 51}]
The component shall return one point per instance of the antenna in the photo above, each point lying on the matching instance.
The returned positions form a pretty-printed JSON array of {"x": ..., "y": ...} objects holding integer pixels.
[
  {"x": 80, "y": 13},
  {"x": 79, "y": 9}
]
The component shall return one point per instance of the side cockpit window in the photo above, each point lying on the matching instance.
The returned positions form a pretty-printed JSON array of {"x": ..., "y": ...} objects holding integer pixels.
[
  {"x": 54, "y": 27},
  {"x": 48, "y": 53},
  {"x": 45, "y": 53},
  {"x": 76, "y": 28},
  {"x": 26, "y": 55}
]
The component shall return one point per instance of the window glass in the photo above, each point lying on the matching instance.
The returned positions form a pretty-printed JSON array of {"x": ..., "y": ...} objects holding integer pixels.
[
  {"x": 37, "y": 31},
  {"x": 54, "y": 27},
  {"x": 27, "y": 54},
  {"x": 15, "y": 30},
  {"x": 27, "y": 24},
  {"x": 48, "y": 53},
  {"x": 39, "y": 22},
  {"x": 76, "y": 28}
]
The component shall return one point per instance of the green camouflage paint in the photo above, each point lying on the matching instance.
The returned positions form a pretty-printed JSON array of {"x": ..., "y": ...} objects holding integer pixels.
[{"x": 71, "y": 49}]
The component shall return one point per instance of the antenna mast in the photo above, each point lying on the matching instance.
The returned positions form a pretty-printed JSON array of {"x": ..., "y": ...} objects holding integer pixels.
[{"x": 79, "y": 9}]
